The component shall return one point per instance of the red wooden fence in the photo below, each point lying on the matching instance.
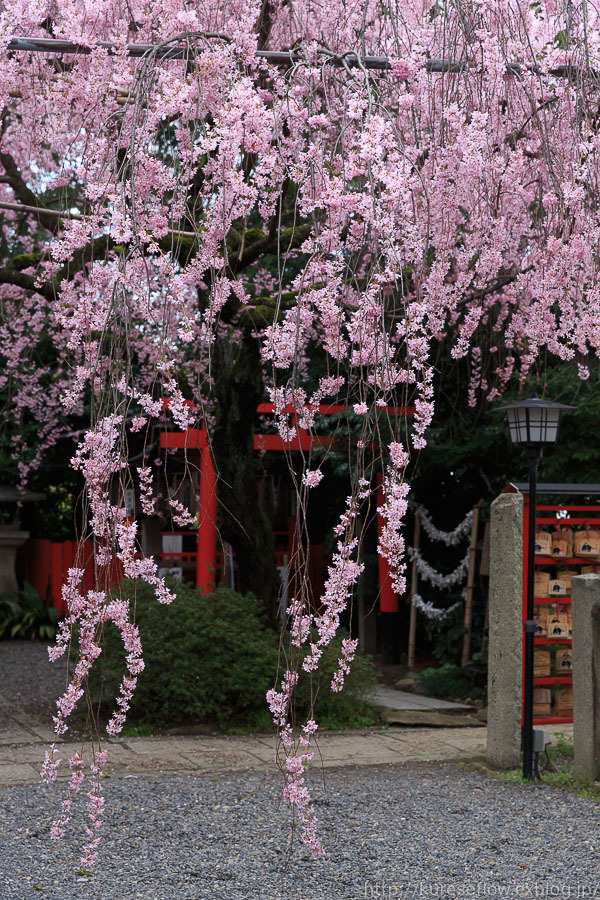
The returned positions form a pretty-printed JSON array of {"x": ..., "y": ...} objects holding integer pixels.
[{"x": 47, "y": 564}]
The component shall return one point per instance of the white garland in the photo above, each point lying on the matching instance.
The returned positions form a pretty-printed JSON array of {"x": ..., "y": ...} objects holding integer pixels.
[
  {"x": 427, "y": 573},
  {"x": 431, "y": 611},
  {"x": 449, "y": 538}
]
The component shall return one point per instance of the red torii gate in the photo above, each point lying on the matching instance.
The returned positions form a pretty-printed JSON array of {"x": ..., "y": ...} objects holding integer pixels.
[{"x": 196, "y": 440}]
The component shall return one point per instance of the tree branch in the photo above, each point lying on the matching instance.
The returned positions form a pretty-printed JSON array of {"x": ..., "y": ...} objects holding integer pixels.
[
  {"x": 47, "y": 289},
  {"x": 48, "y": 219},
  {"x": 264, "y": 24},
  {"x": 95, "y": 248},
  {"x": 500, "y": 282},
  {"x": 289, "y": 238}
]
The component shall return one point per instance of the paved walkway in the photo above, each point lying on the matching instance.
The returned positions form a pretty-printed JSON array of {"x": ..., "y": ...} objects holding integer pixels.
[
  {"x": 23, "y": 741},
  {"x": 424, "y": 729},
  {"x": 403, "y": 700}
]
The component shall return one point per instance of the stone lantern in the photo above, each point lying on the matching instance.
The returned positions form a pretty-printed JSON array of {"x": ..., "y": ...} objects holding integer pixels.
[{"x": 11, "y": 535}]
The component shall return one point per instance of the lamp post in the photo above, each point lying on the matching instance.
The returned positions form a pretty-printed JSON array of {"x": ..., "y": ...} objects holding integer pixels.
[{"x": 533, "y": 424}]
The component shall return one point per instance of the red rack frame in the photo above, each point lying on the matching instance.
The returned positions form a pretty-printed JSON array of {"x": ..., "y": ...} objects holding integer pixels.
[{"x": 593, "y": 518}]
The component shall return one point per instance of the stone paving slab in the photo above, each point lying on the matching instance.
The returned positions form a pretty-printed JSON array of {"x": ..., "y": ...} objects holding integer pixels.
[
  {"x": 394, "y": 699},
  {"x": 15, "y": 727},
  {"x": 17, "y": 773},
  {"x": 22, "y": 753},
  {"x": 13, "y": 733}
]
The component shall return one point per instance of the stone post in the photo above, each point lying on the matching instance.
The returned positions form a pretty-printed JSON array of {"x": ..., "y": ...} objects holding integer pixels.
[
  {"x": 505, "y": 657},
  {"x": 10, "y": 541},
  {"x": 585, "y": 604}
]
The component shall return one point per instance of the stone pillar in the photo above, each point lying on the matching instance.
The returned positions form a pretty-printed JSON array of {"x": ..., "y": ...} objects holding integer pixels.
[
  {"x": 505, "y": 657},
  {"x": 10, "y": 541},
  {"x": 585, "y": 604}
]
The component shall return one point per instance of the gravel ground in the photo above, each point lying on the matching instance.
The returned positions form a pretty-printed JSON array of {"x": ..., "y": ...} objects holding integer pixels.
[
  {"x": 389, "y": 831},
  {"x": 28, "y": 680}
]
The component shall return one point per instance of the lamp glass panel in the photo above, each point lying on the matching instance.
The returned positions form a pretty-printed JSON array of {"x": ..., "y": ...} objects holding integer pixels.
[
  {"x": 517, "y": 425},
  {"x": 552, "y": 418},
  {"x": 537, "y": 423},
  {"x": 533, "y": 424}
]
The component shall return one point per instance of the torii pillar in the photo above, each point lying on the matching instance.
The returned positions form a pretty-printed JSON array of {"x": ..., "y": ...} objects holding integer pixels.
[
  {"x": 206, "y": 560},
  {"x": 195, "y": 440}
]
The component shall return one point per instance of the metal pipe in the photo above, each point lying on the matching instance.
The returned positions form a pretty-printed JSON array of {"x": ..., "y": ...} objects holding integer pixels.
[
  {"x": 529, "y": 624},
  {"x": 277, "y": 57},
  {"x": 414, "y": 588}
]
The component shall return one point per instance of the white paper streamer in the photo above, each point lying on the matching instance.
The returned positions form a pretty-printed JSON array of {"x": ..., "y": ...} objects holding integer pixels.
[
  {"x": 427, "y": 573},
  {"x": 449, "y": 538},
  {"x": 431, "y": 611}
]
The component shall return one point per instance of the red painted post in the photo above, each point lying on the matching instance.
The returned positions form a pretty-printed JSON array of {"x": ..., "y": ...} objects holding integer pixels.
[
  {"x": 206, "y": 560},
  {"x": 38, "y": 565},
  {"x": 67, "y": 563},
  {"x": 56, "y": 574},
  {"x": 388, "y": 599}
]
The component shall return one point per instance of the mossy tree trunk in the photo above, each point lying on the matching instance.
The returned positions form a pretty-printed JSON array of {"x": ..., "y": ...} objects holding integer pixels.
[{"x": 238, "y": 389}]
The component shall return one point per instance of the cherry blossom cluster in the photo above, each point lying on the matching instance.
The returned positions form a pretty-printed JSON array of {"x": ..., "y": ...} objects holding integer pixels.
[
  {"x": 341, "y": 580},
  {"x": 146, "y": 495},
  {"x": 344, "y": 663},
  {"x": 395, "y": 504},
  {"x": 181, "y": 514},
  {"x": 95, "y": 809},
  {"x": 75, "y": 782},
  {"x": 295, "y": 792}
]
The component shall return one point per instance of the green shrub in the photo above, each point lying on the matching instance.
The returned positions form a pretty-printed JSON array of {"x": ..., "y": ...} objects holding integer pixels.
[
  {"x": 26, "y": 617},
  {"x": 449, "y": 683},
  {"x": 210, "y": 658}
]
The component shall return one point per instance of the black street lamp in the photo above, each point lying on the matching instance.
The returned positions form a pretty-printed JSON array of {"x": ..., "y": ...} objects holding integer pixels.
[{"x": 533, "y": 424}]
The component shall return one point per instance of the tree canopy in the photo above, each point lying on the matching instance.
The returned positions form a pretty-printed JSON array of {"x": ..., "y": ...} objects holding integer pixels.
[{"x": 196, "y": 220}]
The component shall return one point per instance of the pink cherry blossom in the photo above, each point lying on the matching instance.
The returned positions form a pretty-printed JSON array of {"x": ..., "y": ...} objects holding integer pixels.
[
  {"x": 155, "y": 210},
  {"x": 312, "y": 479}
]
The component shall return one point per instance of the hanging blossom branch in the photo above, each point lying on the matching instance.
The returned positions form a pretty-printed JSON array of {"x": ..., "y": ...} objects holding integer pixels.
[
  {"x": 395, "y": 490},
  {"x": 342, "y": 577},
  {"x": 146, "y": 490},
  {"x": 431, "y": 611},
  {"x": 449, "y": 538},
  {"x": 427, "y": 573},
  {"x": 98, "y": 459}
]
